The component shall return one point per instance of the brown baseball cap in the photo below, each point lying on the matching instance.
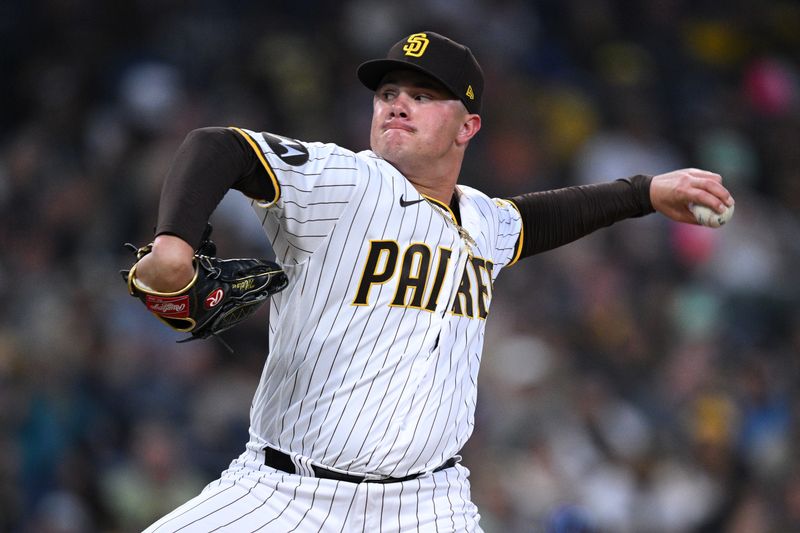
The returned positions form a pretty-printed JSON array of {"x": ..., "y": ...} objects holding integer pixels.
[{"x": 450, "y": 63}]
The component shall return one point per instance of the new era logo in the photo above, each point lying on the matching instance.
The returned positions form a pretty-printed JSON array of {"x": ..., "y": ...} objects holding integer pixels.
[{"x": 470, "y": 93}]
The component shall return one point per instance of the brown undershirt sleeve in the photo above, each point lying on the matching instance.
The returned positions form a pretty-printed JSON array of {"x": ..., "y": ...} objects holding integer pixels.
[
  {"x": 209, "y": 162},
  {"x": 554, "y": 218}
]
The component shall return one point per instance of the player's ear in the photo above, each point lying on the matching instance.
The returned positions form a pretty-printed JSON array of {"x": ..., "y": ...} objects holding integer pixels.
[{"x": 469, "y": 127}]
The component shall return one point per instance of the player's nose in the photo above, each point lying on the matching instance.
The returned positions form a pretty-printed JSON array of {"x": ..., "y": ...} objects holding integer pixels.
[{"x": 399, "y": 106}]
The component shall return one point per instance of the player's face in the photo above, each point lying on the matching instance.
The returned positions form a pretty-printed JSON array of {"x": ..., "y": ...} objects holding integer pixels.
[{"x": 415, "y": 121}]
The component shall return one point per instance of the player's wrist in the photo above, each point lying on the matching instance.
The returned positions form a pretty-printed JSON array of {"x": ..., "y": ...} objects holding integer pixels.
[
  {"x": 169, "y": 266},
  {"x": 173, "y": 249}
]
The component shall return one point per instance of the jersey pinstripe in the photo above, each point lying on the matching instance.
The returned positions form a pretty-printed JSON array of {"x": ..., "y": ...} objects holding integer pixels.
[{"x": 376, "y": 343}]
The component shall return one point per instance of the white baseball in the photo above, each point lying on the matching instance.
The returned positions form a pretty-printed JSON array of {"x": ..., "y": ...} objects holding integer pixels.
[{"x": 708, "y": 217}]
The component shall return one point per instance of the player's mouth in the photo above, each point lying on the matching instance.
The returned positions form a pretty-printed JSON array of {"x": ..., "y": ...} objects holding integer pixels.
[{"x": 396, "y": 125}]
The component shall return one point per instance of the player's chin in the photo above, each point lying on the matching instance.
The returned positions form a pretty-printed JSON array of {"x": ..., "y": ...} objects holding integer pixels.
[
  {"x": 395, "y": 136},
  {"x": 391, "y": 148},
  {"x": 382, "y": 143}
]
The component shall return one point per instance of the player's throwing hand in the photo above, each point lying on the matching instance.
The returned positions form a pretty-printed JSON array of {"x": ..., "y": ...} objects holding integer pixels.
[{"x": 673, "y": 192}]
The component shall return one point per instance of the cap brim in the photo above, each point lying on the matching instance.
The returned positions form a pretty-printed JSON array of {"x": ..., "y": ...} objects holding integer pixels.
[{"x": 372, "y": 72}]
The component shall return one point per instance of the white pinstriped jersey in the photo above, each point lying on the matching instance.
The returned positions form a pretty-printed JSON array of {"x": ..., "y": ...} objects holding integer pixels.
[{"x": 376, "y": 343}]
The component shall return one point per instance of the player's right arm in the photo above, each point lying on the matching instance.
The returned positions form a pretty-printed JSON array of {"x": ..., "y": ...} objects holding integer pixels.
[{"x": 209, "y": 162}]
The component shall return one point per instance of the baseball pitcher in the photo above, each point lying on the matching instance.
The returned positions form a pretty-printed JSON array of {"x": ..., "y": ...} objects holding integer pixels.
[{"x": 369, "y": 389}]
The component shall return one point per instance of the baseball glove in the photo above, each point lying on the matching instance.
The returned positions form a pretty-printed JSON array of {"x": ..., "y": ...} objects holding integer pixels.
[{"x": 222, "y": 293}]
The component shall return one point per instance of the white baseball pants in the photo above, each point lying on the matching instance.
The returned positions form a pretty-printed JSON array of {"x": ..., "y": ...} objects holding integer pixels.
[{"x": 251, "y": 497}]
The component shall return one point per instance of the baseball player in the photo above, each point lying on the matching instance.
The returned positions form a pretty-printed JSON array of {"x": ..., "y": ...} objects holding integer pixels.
[{"x": 368, "y": 392}]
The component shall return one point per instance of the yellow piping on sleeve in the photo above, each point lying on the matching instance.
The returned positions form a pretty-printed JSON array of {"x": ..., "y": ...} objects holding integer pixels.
[
  {"x": 260, "y": 155},
  {"x": 521, "y": 238}
]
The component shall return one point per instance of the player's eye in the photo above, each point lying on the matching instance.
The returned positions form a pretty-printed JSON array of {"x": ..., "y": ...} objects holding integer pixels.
[{"x": 423, "y": 97}]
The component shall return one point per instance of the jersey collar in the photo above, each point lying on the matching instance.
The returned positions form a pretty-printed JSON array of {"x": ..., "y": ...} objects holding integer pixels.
[{"x": 452, "y": 209}]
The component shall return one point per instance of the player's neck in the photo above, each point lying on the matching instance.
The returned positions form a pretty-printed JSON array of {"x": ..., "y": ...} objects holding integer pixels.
[
  {"x": 433, "y": 177},
  {"x": 436, "y": 185},
  {"x": 441, "y": 192}
]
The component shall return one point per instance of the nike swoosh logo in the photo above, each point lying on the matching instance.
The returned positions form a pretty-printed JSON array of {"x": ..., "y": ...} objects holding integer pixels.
[{"x": 406, "y": 203}]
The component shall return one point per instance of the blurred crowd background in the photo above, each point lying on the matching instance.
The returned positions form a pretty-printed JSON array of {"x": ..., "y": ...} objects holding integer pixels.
[{"x": 644, "y": 379}]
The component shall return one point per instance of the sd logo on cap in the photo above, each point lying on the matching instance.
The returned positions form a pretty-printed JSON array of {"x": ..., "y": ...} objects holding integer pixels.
[{"x": 448, "y": 62}]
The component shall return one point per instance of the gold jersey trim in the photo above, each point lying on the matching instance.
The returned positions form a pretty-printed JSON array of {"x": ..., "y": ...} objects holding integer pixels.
[
  {"x": 520, "y": 240},
  {"x": 442, "y": 205},
  {"x": 260, "y": 155}
]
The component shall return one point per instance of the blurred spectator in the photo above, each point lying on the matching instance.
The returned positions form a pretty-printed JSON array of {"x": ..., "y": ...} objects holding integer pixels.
[{"x": 153, "y": 481}]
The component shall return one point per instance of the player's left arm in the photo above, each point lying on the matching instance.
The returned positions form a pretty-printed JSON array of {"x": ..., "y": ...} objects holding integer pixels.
[
  {"x": 556, "y": 217},
  {"x": 553, "y": 218}
]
